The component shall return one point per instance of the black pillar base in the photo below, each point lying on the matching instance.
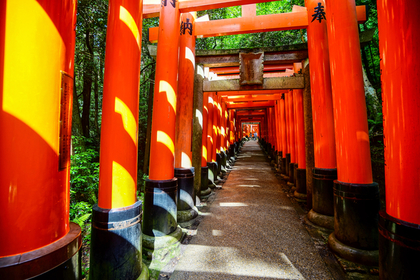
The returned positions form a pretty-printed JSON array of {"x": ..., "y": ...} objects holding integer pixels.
[
  {"x": 399, "y": 248},
  {"x": 323, "y": 193},
  {"x": 186, "y": 210},
  {"x": 223, "y": 161},
  {"x": 58, "y": 260},
  {"x": 116, "y": 251},
  {"x": 219, "y": 163},
  {"x": 283, "y": 166},
  {"x": 356, "y": 209},
  {"x": 212, "y": 174},
  {"x": 160, "y": 207},
  {"x": 278, "y": 161},
  {"x": 205, "y": 190},
  {"x": 300, "y": 192},
  {"x": 287, "y": 165},
  {"x": 295, "y": 167},
  {"x": 185, "y": 194},
  {"x": 291, "y": 174}
]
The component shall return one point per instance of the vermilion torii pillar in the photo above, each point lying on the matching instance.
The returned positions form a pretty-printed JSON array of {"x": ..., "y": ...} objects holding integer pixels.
[
  {"x": 160, "y": 204},
  {"x": 117, "y": 202},
  {"x": 292, "y": 143},
  {"x": 211, "y": 162},
  {"x": 356, "y": 196},
  {"x": 278, "y": 134},
  {"x": 232, "y": 135},
  {"x": 184, "y": 171},
  {"x": 274, "y": 134},
  {"x": 325, "y": 171},
  {"x": 287, "y": 123},
  {"x": 205, "y": 191},
  {"x": 300, "y": 192},
  {"x": 271, "y": 144},
  {"x": 223, "y": 142},
  {"x": 216, "y": 135},
  {"x": 283, "y": 128},
  {"x": 37, "y": 42},
  {"x": 399, "y": 225}
]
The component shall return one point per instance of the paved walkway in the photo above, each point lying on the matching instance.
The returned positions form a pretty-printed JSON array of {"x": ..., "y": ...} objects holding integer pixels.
[{"x": 251, "y": 231}]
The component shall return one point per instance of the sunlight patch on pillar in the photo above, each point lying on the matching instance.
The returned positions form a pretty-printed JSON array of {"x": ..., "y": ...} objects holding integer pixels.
[
  {"x": 186, "y": 197},
  {"x": 170, "y": 93},
  {"x": 199, "y": 116},
  {"x": 126, "y": 17},
  {"x": 185, "y": 160},
  {"x": 123, "y": 187},
  {"x": 204, "y": 152},
  {"x": 362, "y": 136},
  {"x": 200, "y": 71},
  {"x": 189, "y": 55},
  {"x": 164, "y": 138},
  {"x": 31, "y": 87},
  {"x": 164, "y": 201},
  {"x": 129, "y": 122}
]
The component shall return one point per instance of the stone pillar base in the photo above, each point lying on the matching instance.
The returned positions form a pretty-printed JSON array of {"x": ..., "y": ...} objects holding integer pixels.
[
  {"x": 160, "y": 250},
  {"x": 321, "y": 220},
  {"x": 301, "y": 197},
  {"x": 365, "y": 257},
  {"x": 186, "y": 218}
]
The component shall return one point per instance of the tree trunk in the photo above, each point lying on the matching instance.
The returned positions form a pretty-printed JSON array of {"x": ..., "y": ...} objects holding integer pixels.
[
  {"x": 76, "y": 120},
  {"x": 87, "y": 89},
  {"x": 149, "y": 128}
]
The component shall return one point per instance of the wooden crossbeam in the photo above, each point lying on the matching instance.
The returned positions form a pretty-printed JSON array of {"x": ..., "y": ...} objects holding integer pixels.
[
  {"x": 223, "y": 58},
  {"x": 250, "y": 24},
  {"x": 151, "y": 8},
  {"x": 251, "y": 105},
  {"x": 235, "y": 69},
  {"x": 269, "y": 83},
  {"x": 252, "y": 98},
  {"x": 251, "y": 92}
]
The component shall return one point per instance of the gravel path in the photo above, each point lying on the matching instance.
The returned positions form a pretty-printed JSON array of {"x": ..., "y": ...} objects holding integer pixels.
[{"x": 251, "y": 231}]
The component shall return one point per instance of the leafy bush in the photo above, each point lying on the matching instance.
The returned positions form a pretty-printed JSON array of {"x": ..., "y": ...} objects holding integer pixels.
[
  {"x": 80, "y": 212},
  {"x": 84, "y": 172}
]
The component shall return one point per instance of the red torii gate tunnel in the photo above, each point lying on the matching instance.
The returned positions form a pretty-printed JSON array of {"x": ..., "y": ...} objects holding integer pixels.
[{"x": 203, "y": 106}]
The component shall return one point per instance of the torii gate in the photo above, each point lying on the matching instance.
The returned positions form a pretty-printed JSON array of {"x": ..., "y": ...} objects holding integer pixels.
[{"x": 35, "y": 98}]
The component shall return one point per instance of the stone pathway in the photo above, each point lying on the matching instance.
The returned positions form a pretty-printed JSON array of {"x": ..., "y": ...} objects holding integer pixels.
[{"x": 251, "y": 230}]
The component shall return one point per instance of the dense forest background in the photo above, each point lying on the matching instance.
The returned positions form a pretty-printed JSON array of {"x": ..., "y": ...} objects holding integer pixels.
[{"x": 89, "y": 76}]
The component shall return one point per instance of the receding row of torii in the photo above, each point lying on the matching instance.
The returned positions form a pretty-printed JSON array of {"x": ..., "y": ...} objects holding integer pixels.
[{"x": 37, "y": 40}]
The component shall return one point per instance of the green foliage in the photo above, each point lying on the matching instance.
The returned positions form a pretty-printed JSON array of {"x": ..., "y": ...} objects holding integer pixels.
[
  {"x": 84, "y": 172},
  {"x": 80, "y": 212}
]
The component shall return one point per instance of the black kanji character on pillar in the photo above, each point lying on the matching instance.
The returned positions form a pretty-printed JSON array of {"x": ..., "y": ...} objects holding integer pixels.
[
  {"x": 319, "y": 13},
  {"x": 165, "y": 2},
  {"x": 185, "y": 26}
]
